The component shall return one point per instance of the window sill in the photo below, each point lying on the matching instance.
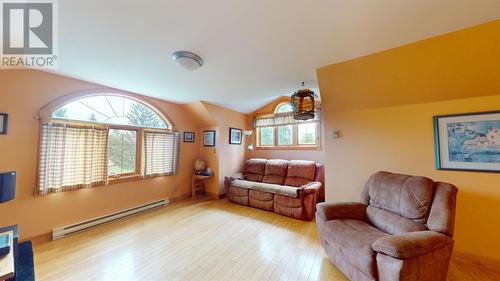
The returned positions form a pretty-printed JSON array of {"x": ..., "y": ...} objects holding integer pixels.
[
  {"x": 127, "y": 178},
  {"x": 288, "y": 148}
]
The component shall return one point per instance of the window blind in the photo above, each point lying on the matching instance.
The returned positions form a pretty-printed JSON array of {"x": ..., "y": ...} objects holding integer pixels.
[
  {"x": 161, "y": 153},
  {"x": 283, "y": 119},
  {"x": 72, "y": 157}
]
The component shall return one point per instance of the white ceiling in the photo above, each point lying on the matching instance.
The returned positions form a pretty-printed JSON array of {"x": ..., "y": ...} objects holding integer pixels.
[{"x": 254, "y": 50}]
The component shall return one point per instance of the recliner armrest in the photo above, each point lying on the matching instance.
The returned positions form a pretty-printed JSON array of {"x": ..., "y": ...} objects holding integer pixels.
[
  {"x": 311, "y": 187},
  {"x": 333, "y": 211},
  {"x": 410, "y": 245}
]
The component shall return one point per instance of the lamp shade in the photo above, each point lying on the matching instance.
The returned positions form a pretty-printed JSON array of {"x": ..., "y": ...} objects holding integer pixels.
[{"x": 7, "y": 186}]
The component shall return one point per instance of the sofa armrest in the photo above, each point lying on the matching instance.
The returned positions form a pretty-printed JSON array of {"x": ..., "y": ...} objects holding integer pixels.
[
  {"x": 311, "y": 187},
  {"x": 412, "y": 244},
  {"x": 333, "y": 211}
]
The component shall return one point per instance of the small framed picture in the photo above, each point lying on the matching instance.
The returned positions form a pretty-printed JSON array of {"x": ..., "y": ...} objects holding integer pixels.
[
  {"x": 209, "y": 138},
  {"x": 4, "y": 118},
  {"x": 189, "y": 136},
  {"x": 235, "y": 136},
  {"x": 468, "y": 142}
]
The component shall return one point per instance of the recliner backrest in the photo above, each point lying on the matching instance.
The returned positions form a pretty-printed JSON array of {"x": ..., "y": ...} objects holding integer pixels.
[{"x": 403, "y": 203}]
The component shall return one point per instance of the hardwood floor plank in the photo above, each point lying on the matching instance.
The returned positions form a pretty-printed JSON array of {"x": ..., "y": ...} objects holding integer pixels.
[{"x": 203, "y": 240}]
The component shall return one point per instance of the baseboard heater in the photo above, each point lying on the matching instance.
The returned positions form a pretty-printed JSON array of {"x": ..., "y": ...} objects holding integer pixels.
[{"x": 65, "y": 231}]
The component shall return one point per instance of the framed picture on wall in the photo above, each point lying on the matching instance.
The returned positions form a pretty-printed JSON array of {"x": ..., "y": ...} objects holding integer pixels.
[
  {"x": 209, "y": 138},
  {"x": 4, "y": 120},
  {"x": 235, "y": 136},
  {"x": 189, "y": 136},
  {"x": 468, "y": 142}
]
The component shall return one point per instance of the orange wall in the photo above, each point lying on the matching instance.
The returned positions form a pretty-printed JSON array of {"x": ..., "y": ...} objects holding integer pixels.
[
  {"x": 316, "y": 155},
  {"x": 22, "y": 94},
  {"x": 224, "y": 159},
  {"x": 231, "y": 156},
  {"x": 383, "y": 105}
]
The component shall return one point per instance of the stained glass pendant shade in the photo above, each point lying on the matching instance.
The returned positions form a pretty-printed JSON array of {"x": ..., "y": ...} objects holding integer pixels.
[{"x": 303, "y": 103}]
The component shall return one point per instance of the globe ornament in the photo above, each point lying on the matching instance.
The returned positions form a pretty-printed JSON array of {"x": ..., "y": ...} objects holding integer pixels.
[{"x": 199, "y": 166}]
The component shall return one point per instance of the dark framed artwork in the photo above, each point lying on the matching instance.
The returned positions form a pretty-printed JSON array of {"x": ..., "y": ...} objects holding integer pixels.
[
  {"x": 209, "y": 138},
  {"x": 4, "y": 121},
  {"x": 189, "y": 136},
  {"x": 468, "y": 142},
  {"x": 235, "y": 136}
]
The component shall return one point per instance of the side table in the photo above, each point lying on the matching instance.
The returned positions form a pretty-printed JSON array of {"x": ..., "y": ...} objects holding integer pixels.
[{"x": 197, "y": 183}]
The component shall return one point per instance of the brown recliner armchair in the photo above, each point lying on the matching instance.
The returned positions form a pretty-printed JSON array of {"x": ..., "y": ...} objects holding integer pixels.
[{"x": 402, "y": 230}]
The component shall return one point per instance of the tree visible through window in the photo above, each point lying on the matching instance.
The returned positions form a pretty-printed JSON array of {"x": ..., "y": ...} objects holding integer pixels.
[
  {"x": 285, "y": 134},
  {"x": 307, "y": 134},
  {"x": 105, "y": 132},
  {"x": 267, "y": 136},
  {"x": 282, "y": 129},
  {"x": 122, "y": 150}
]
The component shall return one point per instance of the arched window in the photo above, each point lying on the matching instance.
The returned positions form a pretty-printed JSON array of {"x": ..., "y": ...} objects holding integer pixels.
[
  {"x": 284, "y": 108},
  {"x": 282, "y": 130},
  {"x": 101, "y": 138},
  {"x": 111, "y": 109}
]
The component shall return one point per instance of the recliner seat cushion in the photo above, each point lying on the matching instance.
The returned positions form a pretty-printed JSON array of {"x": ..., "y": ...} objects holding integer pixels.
[
  {"x": 300, "y": 172},
  {"x": 275, "y": 171},
  {"x": 353, "y": 239}
]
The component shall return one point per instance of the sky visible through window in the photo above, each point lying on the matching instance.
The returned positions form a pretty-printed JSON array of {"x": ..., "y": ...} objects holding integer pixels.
[
  {"x": 111, "y": 109},
  {"x": 283, "y": 108}
]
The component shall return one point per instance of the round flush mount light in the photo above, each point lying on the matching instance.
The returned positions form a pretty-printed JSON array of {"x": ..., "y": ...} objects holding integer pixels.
[{"x": 187, "y": 60}]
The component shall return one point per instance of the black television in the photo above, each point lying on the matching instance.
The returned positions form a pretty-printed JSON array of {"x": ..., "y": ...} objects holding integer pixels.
[{"x": 7, "y": 186}]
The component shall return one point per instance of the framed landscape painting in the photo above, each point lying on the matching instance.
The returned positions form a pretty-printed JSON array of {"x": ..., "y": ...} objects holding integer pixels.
[
  {"x": 189, "y": 136},
  {"x": 3, "y": 123},
  {"x": 235, "y": 136},
  {"x": 468, "y": 142},
  {"x": 209, "y": 138}
]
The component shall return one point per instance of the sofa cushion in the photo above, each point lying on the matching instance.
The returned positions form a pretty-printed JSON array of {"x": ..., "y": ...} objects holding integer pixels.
[
  {"x": 290, "y": 191},
  {"x": 353, "y": 240},
  {"x": 275, "y": 171},
  {"x": 254, "y": 169},
  {"x": 300, "y": 172},
  {"x": 404, "y": 195}
]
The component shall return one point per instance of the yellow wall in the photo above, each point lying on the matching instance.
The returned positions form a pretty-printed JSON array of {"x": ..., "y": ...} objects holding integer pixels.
[{"x": 383, "y": 105}]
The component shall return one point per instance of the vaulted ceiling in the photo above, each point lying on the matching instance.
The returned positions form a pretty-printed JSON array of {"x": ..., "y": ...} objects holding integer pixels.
[{"x": 254, "y": 51}]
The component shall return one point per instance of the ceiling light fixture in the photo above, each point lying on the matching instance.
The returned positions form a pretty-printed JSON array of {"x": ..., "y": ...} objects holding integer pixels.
[{"x": 187, "y": 60}]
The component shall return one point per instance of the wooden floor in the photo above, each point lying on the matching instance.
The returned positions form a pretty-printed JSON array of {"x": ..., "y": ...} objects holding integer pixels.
[{"x": 201, "y": 240}]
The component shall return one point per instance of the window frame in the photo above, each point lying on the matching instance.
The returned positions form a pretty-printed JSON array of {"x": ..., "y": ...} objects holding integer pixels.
[
  {"x": 260, "y": 140},
  {"x": 45, "y": 115},
  {"x": 295, "y": 134},
  {"x": 295, "y": 141},
  {"x": 138, "y": 153}
]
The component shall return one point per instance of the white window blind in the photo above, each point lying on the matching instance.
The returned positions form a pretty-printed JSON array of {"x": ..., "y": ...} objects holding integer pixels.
[
  {"x": 161, "y": 153},
  {"x": 72, "y": 157},
  {"x": 283, "y": 119}
]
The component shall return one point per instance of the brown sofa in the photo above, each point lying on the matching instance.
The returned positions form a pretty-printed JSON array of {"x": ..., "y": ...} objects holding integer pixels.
[
  {"x": 402, "y": 230},
  {"x": 289, "y": 188}
]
